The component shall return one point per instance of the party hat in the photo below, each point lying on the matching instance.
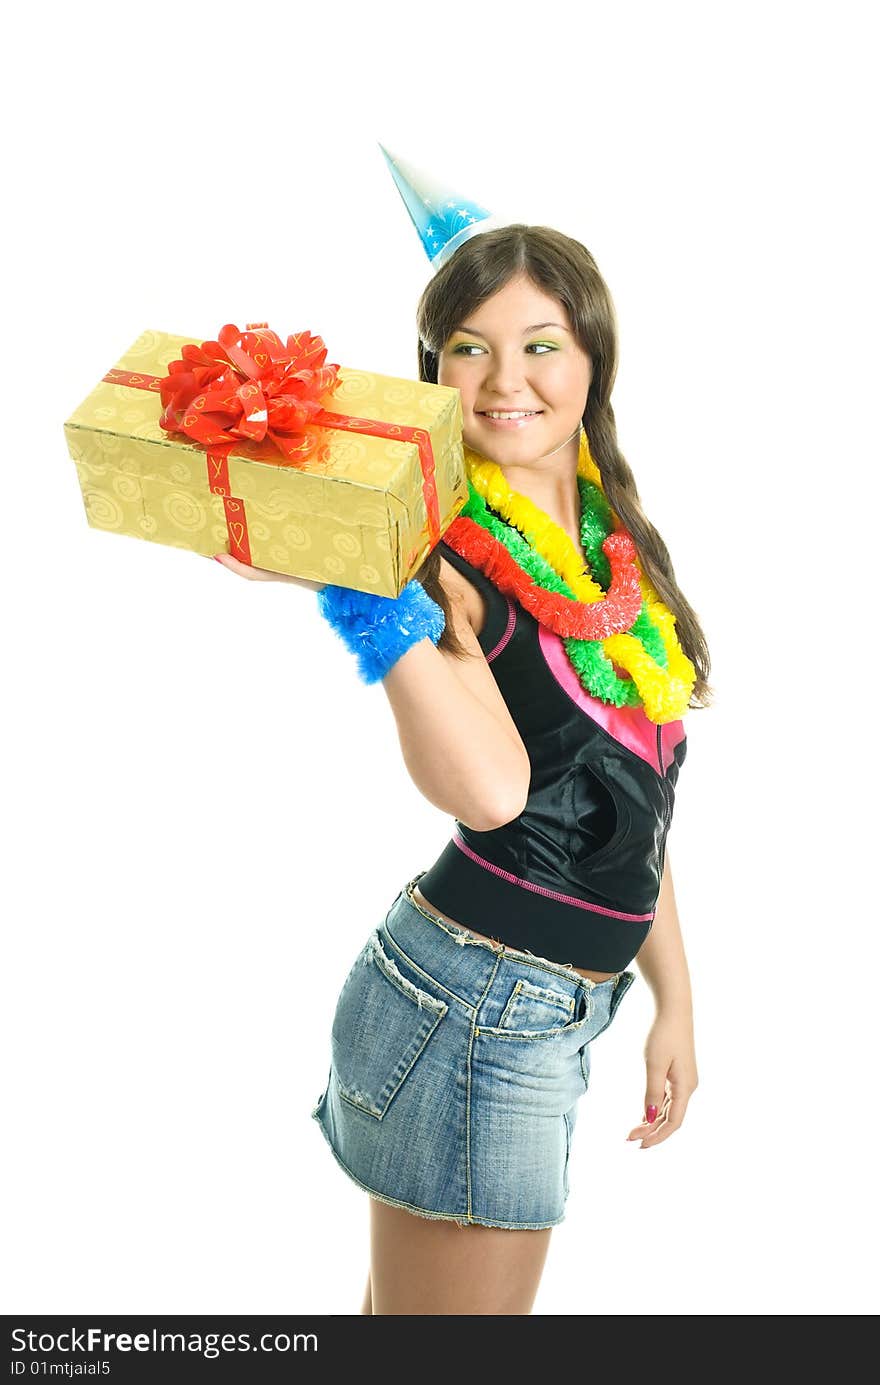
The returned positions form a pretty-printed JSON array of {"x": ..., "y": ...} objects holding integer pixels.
[{"x": 444, "y": 219}]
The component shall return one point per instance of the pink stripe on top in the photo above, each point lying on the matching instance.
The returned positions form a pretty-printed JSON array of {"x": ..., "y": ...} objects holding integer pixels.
[
  {"x": 511, "y": 622},
  {"x": 628, "y": 725},
  {"x": 540, "y": 889}
]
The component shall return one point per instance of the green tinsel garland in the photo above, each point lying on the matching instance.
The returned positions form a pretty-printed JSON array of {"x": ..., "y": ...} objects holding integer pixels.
[{"x": 587, "y": 657}]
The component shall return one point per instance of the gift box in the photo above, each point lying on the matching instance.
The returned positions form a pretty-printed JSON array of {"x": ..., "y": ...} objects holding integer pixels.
[{"x": 257, "y": 447}]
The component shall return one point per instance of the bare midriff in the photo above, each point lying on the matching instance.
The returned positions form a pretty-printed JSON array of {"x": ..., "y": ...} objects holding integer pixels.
[{"x": 498, "y": 942}]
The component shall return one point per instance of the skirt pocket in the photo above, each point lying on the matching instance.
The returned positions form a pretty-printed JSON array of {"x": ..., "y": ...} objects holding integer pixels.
[
  {"x": 540, "y": 1012},
  {"x": 532, "y": 1008},
  {"x": 381, "y": 1027}
]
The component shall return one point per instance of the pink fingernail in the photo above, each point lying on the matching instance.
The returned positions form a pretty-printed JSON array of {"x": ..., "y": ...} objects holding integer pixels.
[
  {"x": 217, "y": 559},
  {"x": 651, "y": 1114}
]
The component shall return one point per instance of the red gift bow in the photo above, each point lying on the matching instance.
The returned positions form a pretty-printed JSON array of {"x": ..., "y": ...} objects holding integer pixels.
[
  {"x": 248, "y": 385},
  {"x": 229, "y": 356}
]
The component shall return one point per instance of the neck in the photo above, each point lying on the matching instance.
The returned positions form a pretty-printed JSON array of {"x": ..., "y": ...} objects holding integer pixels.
[{"x": 550, "y": 482}]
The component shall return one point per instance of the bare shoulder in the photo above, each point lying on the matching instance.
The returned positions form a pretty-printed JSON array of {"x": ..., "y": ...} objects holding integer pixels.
[{"x": 464, "y": 594}]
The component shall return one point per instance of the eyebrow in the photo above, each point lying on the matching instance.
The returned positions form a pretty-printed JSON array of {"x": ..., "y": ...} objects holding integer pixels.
[{"x": 536, "y": 327}]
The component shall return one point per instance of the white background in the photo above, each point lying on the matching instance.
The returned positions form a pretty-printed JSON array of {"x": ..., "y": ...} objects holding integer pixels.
[{"x": 207, "y": 811}]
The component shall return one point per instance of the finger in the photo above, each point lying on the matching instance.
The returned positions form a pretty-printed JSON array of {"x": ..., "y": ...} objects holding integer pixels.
[
  {"x": 655, "y": 1091},
  {"x": 254, "y": 574},
  {"x": 668, "y": 1126},
  {"x": 645, "y": 1131},
  {"x": 646, "y": 1126},
  {"x": 655, "y": 1101},
  {"x": 264, "y": 574}
]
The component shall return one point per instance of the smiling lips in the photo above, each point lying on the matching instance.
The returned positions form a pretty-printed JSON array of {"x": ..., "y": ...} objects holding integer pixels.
[{"x": 509, "y": 413}]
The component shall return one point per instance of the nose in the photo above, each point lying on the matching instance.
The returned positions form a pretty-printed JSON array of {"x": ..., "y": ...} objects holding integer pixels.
[{"x": 505, "y": 375}]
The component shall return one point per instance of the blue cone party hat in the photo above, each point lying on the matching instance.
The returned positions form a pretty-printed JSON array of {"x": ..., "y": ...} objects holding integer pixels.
[{"x": 444, "y": 219}]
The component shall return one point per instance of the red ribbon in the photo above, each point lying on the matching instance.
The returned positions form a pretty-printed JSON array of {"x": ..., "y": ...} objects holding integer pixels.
[{"x": 250, "y": 385}]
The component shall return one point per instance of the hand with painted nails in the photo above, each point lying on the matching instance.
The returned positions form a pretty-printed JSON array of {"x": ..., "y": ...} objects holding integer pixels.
[
  {"x": 263, "y": 574},
  {"x": 672, "y": 1077}
]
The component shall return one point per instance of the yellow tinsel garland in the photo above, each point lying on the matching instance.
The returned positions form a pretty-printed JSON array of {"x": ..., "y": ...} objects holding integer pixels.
[{"x": 665, "y": 693}]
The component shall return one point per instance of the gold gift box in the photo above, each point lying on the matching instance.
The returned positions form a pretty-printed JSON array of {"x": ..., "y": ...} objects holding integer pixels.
[{"x": 354, "y": 513}]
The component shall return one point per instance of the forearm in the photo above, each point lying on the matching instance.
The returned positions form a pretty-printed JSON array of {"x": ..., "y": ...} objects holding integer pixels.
[
  {"x": 456, "y": 752},
  {"x": 661, "y": 958}
]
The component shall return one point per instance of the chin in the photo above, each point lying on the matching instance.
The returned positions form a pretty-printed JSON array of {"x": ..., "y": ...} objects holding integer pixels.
[
  {"x": 525, "y": 436},
  {"x": 513, "y": 451}
]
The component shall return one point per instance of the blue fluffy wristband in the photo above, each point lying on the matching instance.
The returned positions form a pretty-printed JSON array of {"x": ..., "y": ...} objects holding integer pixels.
[{"x": 379, "y": 629}]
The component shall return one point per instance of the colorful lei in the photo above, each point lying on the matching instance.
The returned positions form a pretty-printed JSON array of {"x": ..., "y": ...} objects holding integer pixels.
[{"x": 608, "y": 614}]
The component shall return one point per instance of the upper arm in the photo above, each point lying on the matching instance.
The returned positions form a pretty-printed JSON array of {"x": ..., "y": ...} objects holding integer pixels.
[{"x": 474, "y": 671}]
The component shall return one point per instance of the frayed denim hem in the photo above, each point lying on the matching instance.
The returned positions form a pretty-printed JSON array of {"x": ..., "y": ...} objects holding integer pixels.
[{"x": 424, "y": 1211}]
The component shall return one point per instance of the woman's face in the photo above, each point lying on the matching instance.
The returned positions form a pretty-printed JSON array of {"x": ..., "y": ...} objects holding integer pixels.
[{"x": 517, "y": 352}]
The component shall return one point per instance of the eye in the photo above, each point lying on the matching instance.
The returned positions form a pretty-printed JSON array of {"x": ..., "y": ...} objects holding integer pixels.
[{"x": 465, "y": 348}]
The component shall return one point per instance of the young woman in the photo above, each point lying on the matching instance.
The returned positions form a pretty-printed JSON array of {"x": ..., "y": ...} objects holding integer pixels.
[{"x": 539, "y": 702}]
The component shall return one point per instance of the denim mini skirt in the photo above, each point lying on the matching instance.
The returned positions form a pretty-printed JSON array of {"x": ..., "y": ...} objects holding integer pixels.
[{"x": 456, "y": 1067}]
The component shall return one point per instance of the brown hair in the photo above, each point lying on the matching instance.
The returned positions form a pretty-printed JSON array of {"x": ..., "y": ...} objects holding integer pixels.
[{"x": 566, "y": 270}]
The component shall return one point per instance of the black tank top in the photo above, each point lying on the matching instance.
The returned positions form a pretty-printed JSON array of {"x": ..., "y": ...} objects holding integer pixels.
[{"x": 575, "y": 877}]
